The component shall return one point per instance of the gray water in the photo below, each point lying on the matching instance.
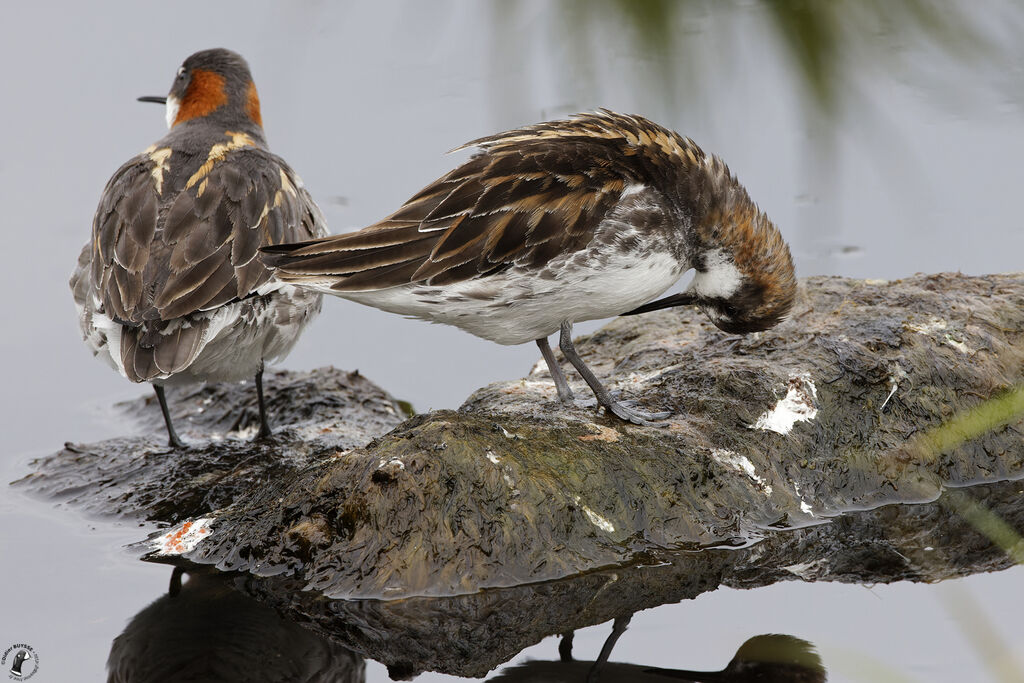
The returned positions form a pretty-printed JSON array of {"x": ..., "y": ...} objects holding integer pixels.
[{"x": 919, "y": 171}]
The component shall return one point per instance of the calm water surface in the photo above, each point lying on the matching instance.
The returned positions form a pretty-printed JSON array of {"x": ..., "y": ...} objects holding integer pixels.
[{"x": 363, "y": 100}]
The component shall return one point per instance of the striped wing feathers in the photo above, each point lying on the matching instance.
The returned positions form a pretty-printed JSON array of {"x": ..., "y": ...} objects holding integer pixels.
[
  {"x": 162, "y": 255},
  {"x": 521, "y": 204},
  {"x": 171, "y": 244}
]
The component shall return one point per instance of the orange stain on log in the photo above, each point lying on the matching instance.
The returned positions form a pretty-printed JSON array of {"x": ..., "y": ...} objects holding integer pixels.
[
  {"x": 205, "y": 95},
  {"x": 174, "y": 541},
  {"x": 252, "y": 104}
]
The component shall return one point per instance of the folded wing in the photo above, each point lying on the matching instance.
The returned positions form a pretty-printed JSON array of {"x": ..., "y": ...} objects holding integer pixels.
[
  {"x": 517, "y": 202},
  {"x": 170, "y": 248}
]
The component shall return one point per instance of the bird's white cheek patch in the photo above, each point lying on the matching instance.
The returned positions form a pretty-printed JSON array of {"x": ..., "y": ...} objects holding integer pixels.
[
  {"x": 720, "y": 279},
  {"x": 173, "y": 103}
]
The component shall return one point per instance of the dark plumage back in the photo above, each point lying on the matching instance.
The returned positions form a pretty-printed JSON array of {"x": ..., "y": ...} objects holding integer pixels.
[
  {"x": 529, "y": 195},
  {"x": 176, "y": 232}
]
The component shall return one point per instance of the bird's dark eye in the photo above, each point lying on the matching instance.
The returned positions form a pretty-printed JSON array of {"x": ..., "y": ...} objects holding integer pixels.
[{"x": 729, "y": 310}]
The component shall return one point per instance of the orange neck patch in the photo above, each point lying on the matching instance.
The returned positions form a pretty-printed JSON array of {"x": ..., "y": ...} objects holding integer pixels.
[
  {"x": 205, "y": 94},
  {"x": 252, "y": 104}
]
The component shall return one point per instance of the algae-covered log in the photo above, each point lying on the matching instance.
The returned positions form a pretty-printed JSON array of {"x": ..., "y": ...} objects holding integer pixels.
[
  {"x": 140, "y": 477},
  {"x": 770, "y": 431},
  {"x": 822, "y": 449},
  {"x": 468, "y": 635}
]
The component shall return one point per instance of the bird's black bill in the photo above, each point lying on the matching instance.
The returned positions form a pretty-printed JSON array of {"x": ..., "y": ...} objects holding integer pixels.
[
  {"x": 681, "y": 299},
  {"x": 153, "y": 98}
]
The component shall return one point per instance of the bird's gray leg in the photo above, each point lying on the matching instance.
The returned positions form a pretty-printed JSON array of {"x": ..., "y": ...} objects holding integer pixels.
[
  {"x": 173, "y": 440},
  {"x": 603, "y": 397},
  {"x": 561, "y": 384},
  {"x": 618, "y": 628},
  {"x": 565, "y": 646},
  {"x": 264, "y": 425},
  {"x": 175, "y": 585}
]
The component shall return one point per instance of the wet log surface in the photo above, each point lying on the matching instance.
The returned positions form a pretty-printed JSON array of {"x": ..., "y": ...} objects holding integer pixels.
[
  {"x": 460, "y": 537},
  {"x": 141, "y": 477}
]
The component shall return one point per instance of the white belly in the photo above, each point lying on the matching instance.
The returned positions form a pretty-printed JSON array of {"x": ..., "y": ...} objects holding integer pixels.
[
  {"x": 517, "y": 306},
  {"x": 238, "y": 339},
  {"x": 256, "y": 331}
]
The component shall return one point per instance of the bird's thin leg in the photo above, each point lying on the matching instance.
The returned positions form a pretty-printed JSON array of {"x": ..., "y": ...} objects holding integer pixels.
[
  {"x": 173, "y": 440},
  {"x": 175, "y": 585},
  {"x": 565, "y": 646},
  {"x": 264, "y": 432},
  {"x": 618, "y": 628},
  {"x": 603, "y": 397},
  {"x": 561, "y": 384}
]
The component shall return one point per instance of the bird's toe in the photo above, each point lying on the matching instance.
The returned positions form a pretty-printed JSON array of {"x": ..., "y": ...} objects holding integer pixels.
[{"x": 638, "y": 417}]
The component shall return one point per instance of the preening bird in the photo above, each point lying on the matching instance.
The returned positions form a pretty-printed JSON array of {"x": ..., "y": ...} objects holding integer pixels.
[{"x": 557, "y": 223}]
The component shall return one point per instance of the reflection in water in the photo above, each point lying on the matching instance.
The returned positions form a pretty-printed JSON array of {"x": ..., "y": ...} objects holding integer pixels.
[
  {"x": 771, "y": 658},
  {"x": 204, "y": 630},
  {"x": 618, "y": 628}
]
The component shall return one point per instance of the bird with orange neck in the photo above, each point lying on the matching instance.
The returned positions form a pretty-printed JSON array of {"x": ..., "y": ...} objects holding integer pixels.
[
  {"x": 557, "y": 223},
  {"x": 170, "y": 288}
]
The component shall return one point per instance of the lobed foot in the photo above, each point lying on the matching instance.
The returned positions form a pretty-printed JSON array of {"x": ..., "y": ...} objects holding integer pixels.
[
  {"x": 625, "y": 410},
  {"x": 622, "y": 410}
]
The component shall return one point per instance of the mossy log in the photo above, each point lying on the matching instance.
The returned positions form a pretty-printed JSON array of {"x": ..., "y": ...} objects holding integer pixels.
[
  {"x": 813, "y": 451},
  {"x": 141, "y": 477}
]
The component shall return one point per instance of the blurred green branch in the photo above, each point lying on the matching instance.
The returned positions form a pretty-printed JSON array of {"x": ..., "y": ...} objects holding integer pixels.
[
  {"x": 987, "y": 523},
  {"x": 964, "y": 426},
  {"x": 969, "y": 424},
  {"x": 822, "y": 39},
  {"x": 993, "y": 651}
]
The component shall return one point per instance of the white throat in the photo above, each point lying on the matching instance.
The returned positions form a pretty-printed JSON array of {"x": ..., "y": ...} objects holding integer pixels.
[
  {"x": 173, "y": 103},
  {"x": 720, "y": 279}
]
